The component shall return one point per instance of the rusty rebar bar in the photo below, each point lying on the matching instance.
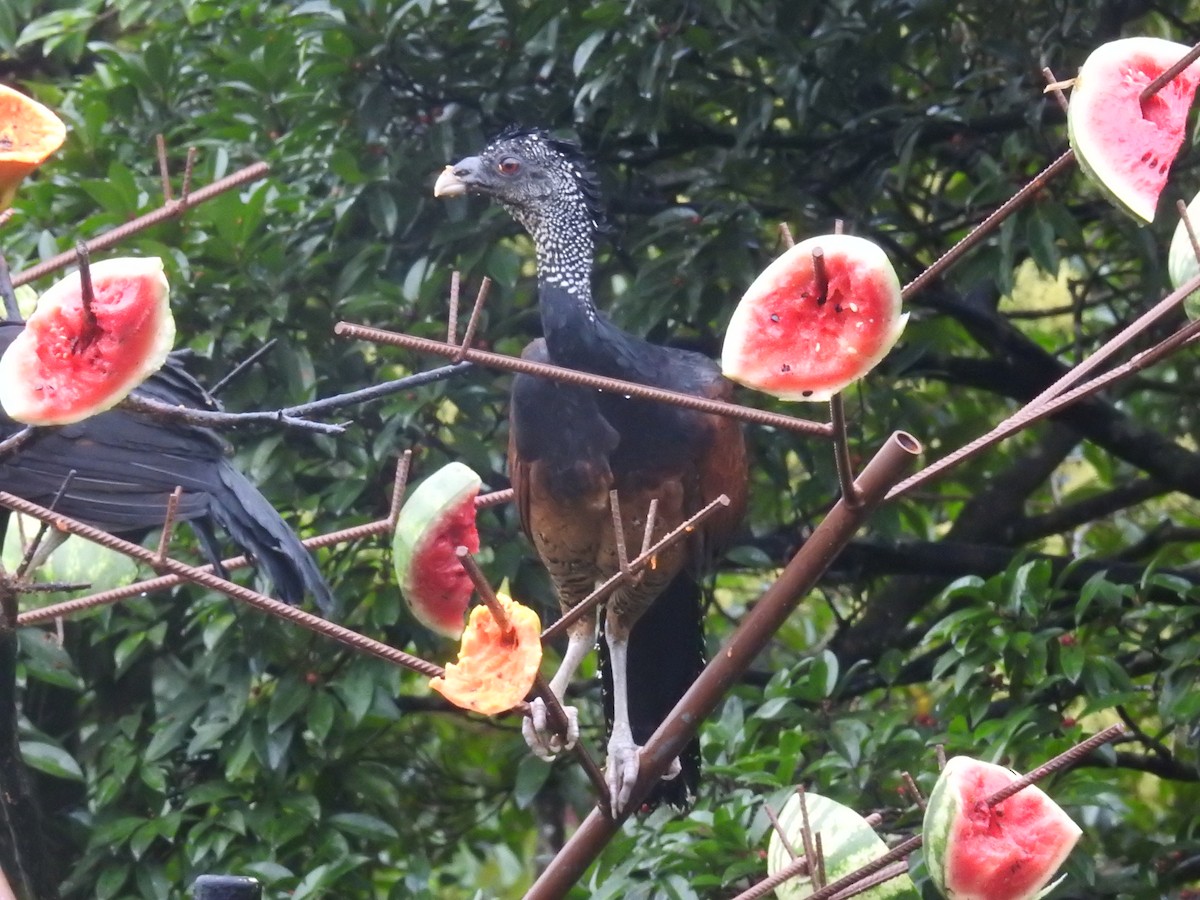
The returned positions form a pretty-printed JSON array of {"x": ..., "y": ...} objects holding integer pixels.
[
  {"x": 596, "y": 597},
  {"x": 399, "y": 485},
  {"x": 16, "y": 440},
  {"x": 472, "y": 321},
  {"x": 452, "y": 315},
  {"x": 584, "y": 379},
  {"x": 1061, "y": 393},
  {"x": 164, "y": 170},
  {"x": 841, "y": 448},
  {"x": 1055, "y": 87},
  {"x": 165, "y": 582},
  {"x": 820, "y": 275},
  {"x": 1168, "y": 74},
  {"x": 169, "y": 210},
  {"x": 755, "y": 631},
  {"x": 780, "y": 833},
  {"x": 984, "y": 228},
  {"x": 168, "y": 525},
  {"x": 206, "y": 578}
]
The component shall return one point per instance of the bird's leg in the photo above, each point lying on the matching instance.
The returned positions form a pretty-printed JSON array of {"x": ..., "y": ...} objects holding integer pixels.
[
  {"x": 539, "y": 734},
  {"x": 624, "y": 761},
  {"x": 621, "y": 768}
]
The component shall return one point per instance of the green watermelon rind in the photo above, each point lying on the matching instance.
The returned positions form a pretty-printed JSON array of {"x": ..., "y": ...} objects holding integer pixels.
[
  {"x": 741, "y": 363},
  {"x": 848, "y": 843},
  {"x": 20, "y": 368},
  {"x": 426, "y": 507},
  {"x": 1182, "y": 265},
  {"x": 945, "y": 805},
  {"x": 1090, "y": 82}
]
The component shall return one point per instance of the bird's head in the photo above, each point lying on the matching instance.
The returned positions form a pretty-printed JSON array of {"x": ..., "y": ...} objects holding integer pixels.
[{"x": 544, "y": 182}]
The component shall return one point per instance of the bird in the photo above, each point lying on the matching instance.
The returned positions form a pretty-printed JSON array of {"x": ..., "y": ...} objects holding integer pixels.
[
  {"x": 126, "y": 465},
  {"x": 570, "y": 447}
]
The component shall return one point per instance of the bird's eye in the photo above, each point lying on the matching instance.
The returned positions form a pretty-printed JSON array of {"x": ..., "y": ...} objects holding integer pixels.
[{"x": 509, "y": 166}]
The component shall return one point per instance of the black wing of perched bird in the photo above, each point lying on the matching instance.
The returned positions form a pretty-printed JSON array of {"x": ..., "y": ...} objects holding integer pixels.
[
  {"x": 570, "y": 446},
  {"x": 127, "y": 465}
]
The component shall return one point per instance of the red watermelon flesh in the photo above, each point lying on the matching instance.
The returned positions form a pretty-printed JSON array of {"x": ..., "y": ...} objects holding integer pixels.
[
  {"x": 437, "y": 519},
  {"x": 784, "y": 341},
  {"x": 1125, "y": 145},
  {"x": 1004, "y": 852},
  {"x": 66, "y": 366}
]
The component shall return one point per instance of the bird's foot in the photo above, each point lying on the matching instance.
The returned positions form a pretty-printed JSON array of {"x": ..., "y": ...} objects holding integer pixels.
[
  {"x": 541, "y": 737},
  {"x": 621, "y": 772}
]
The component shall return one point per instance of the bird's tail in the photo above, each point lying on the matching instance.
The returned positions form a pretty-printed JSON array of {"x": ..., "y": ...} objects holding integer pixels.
[
  {"x": 666, "y": 653},
  {"x": 255, "y": 526}
]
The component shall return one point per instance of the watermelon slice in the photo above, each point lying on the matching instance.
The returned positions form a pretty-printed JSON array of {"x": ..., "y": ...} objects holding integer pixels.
[
  {"x": 64, "y": 367},
  {"x": 847, "y": 843},
  {"x": 1182, "y": 265},
  {"x": 436, "y": 519},
  {"x": 1004, "y": 852},
  {"x": 29, "y": 133},
  {"x": 494, "y": 673},
  {"x": 1124, "y": 145},
  {"x": 787, "y": 340}
]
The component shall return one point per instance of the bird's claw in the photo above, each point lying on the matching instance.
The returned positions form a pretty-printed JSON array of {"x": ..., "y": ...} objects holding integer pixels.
[
  {"x": 543, "y": 740},
  {"x": 621, "y": 772}
]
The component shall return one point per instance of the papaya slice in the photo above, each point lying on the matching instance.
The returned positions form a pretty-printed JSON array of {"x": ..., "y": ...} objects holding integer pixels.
[
  {"x": 68, "y": 364},
  {"x": 494, "y": 673},
  {"x": 437, "y": 518},
  {"x": 797, "y": 338},
  {"x": 29, "y": 133}
]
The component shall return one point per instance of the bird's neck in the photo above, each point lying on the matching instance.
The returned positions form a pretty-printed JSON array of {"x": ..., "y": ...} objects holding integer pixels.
[{"x": 576, "y": 332}]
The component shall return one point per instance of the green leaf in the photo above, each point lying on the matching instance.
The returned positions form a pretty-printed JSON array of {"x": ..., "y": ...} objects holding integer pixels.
[{"x": 51, "y": 760}]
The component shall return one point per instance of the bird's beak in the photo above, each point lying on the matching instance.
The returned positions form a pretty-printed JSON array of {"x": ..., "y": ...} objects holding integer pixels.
[{"x": 449, "y": 184}]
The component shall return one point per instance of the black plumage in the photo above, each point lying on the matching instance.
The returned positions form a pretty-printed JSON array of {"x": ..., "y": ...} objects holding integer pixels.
[
  {"x": 570, "y": 446},
  {"x": 127, "y": 465}
]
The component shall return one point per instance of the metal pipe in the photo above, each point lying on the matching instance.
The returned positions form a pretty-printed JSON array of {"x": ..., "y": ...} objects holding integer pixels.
[{"x": 734, "y": 658}]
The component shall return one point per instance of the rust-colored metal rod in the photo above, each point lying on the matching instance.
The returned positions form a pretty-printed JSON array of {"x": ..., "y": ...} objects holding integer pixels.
[
  {"x": 1054, "y": 87},
  {"x": 494, "y": 498},
  {"x": 489, "y": 597},
  {"x": 452, "y": 316},
  {"x": 841, "y": 448},
  {"x": 1061, "y": 394},
  {"x": 884, "y": 875},
  {"x": 1169, "y": 74},
  {"x": 728, "y": 665},
  {"x": 584, "y": 379},
  {"x": 473, "y": 321},
  {"x": 169, "y": 210},
  {"x": 838, "y": 888},
  {"x": 984, "y": 228},
  {"x": 558, "y": 715},
  {"x": 588, "y": 603},
  {"x": 16, "y": 440},
  {"x": 332, "y": 630},
  {"x": 165, "y": 582}
]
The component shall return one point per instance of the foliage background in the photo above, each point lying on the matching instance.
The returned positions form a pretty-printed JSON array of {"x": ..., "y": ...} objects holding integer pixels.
[{"x": 1004, "y": 611}]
